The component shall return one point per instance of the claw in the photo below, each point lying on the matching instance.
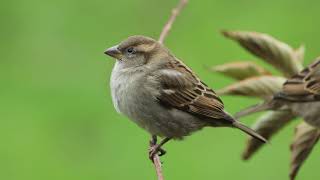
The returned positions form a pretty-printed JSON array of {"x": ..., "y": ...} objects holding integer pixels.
[
  {"x": 155, "y": 149},
  {"x": 162, "y": 152}
]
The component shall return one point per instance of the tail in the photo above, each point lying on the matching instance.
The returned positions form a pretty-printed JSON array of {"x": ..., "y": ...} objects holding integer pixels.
[
  {"x": 253, "y": 109},
  {"x": 244, "y": 128},
  {"x": 249, "y": 131}
]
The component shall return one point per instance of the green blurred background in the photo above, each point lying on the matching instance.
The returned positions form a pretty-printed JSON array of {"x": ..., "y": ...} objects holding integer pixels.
[{"x": 57, "y": 118}]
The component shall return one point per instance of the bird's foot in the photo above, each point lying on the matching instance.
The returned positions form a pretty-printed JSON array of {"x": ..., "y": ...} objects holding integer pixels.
[{"x": 155, "y": 149}]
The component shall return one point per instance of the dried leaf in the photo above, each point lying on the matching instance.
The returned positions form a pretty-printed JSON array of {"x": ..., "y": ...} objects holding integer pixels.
[
  {"x": 261, "y": 86},
  {"x": 240, "y": 70},
  {"x": 267, "y": 126},
  {"x": 304, "y": 140},
  {"x": 273, "y": 51},
  {"x": 299, "y": 53}
]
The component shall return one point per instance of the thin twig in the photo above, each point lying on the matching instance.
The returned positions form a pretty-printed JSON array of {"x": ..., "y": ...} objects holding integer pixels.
[
  {"x": 164, "y": 33},
  {"x": 175, "y": 12},
  {"x": 157, "y": 165}
]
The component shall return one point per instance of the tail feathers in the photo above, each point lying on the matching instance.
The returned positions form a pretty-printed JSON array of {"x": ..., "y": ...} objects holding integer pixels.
[
  {"x": 253, "y": 109},
  {"x": 249, "y": 131}
]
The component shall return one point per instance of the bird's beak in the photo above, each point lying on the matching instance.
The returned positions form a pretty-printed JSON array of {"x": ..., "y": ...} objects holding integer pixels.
[{"x": 114, "y": 52}]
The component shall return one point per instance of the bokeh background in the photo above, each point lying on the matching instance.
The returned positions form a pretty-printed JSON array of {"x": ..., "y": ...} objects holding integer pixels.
[{"x": 56, "y": 116}]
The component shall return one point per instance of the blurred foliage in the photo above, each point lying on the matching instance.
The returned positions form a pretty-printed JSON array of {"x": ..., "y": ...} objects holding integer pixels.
[{"x": 57, "y": 118}]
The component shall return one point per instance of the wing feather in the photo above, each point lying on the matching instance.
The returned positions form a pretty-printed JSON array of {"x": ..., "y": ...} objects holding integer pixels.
[
  {"x": 184, "y": 90},
  {"x": 305, "y": 85}
]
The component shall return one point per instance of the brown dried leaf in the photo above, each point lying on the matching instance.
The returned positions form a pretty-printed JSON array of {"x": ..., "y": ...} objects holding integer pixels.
[
  {"x": 273, "y": 51},
  {"x": 299, "y": 53},
  {"x": 267, "y": 126},
  {"x": 305, "y": 138},
  {"x": 261, "y": 86},
  {"x": 240, "y": 70}
]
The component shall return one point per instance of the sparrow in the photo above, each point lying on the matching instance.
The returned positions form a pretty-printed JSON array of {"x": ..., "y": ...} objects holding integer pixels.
[
  {"x": 162, "y": 95},
  {"x": 300, "y": 94}
]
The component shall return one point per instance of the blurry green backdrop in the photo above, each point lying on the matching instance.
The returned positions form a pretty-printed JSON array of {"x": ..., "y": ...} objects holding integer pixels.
[{"x": 57, "y": 118}]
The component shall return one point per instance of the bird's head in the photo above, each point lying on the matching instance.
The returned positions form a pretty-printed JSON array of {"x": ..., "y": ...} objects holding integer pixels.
[{"x": 136, "y": 50}]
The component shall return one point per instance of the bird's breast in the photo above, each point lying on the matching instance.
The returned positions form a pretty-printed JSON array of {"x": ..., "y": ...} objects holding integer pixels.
[
  {"x": 309, "y": 111},
  {"x": 129, "y": 92}
]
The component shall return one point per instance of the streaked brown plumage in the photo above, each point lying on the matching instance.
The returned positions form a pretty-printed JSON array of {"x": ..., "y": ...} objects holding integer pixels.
[
  {"x": 300, "y": 94},
  {"x": 304, "y": 86}
]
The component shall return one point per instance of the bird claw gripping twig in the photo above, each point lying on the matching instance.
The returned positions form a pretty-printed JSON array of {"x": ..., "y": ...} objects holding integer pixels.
[
  {"x": 155, "y": 148},
  {"x": 154, "y": 157}
]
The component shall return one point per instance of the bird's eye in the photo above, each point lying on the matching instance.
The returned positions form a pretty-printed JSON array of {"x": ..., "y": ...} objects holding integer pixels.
[{"x": 131, "y": 50}]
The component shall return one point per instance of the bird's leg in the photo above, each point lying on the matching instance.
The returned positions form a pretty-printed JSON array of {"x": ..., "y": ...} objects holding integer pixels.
[
  {"x": 153, "y": 140},
  {"x": 155, "y": 148}
]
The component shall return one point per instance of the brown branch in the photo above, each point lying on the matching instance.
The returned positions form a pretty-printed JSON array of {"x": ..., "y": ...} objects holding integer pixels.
[
  {"x": 175, "y": 12},
  {"x": 157, "y": 166},
  {"x": 155, "y": 159},
  {"x": 164, "y": 33}
]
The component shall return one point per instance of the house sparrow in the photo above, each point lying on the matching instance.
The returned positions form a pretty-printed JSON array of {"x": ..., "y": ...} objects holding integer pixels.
[
  {"x": 300, "y": 94},
  {"x": 162, "y": 95}
]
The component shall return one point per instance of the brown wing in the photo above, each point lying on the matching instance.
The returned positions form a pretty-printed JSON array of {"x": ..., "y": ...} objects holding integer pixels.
[
  {"x": 184, "y": 91},
  {"x": 304, "y": 86}
]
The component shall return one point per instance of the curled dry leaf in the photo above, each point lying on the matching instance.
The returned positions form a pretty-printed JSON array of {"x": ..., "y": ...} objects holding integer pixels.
[
  {"x": 267, "y": 126},
  {"x": 261, "y": 86},
  {"x": 273, "y": 51},
  {"x": 299, "y": 53},
  {"x": 240, "y": 70},
  {"x": 304, "y": 140}
]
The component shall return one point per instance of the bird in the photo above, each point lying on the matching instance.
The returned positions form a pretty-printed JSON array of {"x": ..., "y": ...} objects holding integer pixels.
[
  {"x": 300, "y": 94},
  {"x": 162, "y": 95}
]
